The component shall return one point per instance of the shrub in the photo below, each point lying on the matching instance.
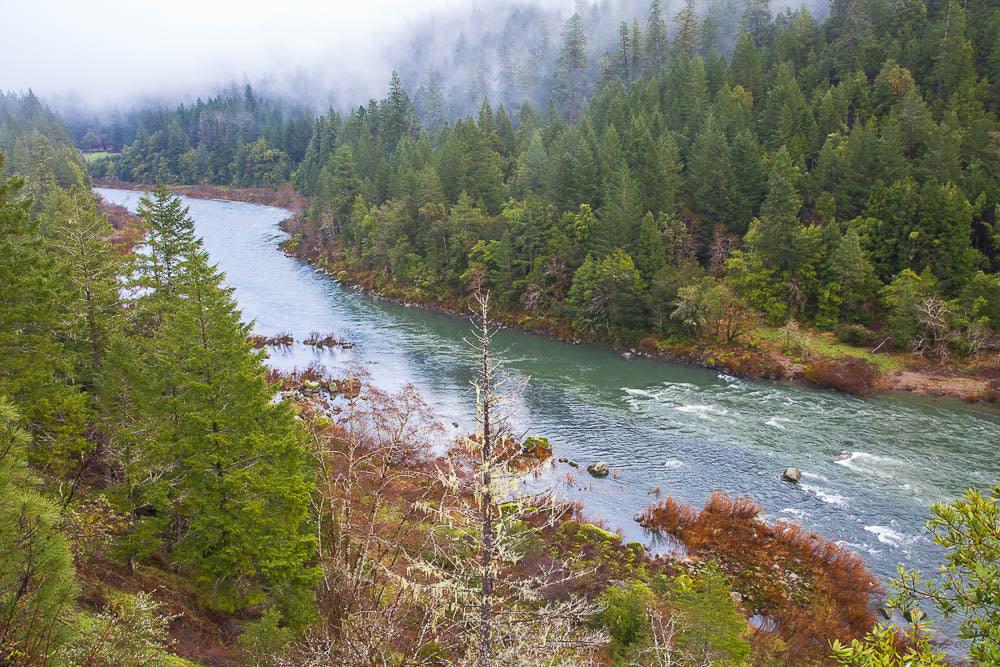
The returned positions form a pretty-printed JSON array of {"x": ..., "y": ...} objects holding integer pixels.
[
  {"x": 624, "y": 613},
  {"x": 853, "y": 334},
  {"x": 852, "y": 375},
  {"x": 713, "y": 625},
  {"x": 129, "y": 632},
  {"x": 815, "y": 588}
]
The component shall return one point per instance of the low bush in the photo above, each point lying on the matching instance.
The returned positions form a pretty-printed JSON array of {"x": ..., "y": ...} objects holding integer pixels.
[
  {"x": 852, "y": 375},
  {"x": 814, "y": 588},
  {"x": 853, "y": 334}
]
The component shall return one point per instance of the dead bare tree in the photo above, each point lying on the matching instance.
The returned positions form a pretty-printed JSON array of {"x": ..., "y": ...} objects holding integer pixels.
[{"x": 502, "y": 611}]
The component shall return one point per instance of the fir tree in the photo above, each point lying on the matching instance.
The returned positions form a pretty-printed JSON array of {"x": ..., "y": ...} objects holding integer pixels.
[
  {"x": 34, "y": 307},
  {"x": 224, "y": 466}
]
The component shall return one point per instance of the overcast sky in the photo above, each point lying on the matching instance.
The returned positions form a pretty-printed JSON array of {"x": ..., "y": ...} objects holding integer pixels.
[{"x": 103, "y": 53}]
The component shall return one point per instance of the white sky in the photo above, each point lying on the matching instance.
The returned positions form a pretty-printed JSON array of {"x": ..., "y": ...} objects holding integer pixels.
[{"x": 111, "y": 52}]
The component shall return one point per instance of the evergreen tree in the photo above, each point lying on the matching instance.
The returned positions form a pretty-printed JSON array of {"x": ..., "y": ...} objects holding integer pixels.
[
  {"x": 34, "y": 305},
  {"x": 686, "y": 38},
  {"x": 621, "y": 215},
  {"x": 656, "y": 38},
  {"x": 93, "y": 272},
  {"x": 572, "y": 65},
  {"x": 37, "y": 579},
  {"x": 224, "y": 466},
  {"x": 636, "y": 61},
  {"x": 622, "y": 61},
  {"x": 709, "y": 171},
  {"x": 650, "y": 254},
  {"x": 757, "y": 21}
]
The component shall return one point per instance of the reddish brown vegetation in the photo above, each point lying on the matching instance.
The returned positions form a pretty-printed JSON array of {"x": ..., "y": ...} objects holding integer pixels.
[
  {"x": 852, "y": 375},
  {"x": 816, "y": 589},
  {"x": 127, "y": 228}
]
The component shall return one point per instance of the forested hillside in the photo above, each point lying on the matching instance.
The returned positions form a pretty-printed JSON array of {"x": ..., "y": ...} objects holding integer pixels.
[
  {"x": 843, "y": 172},
  {"x": 234, "y": 138},
  {"x": 37, "y": 144}
]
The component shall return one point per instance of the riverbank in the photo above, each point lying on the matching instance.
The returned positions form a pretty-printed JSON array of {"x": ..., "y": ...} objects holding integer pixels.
[
  {"x": 819, "y": 361},
  {"x": 284, "y": 197}
]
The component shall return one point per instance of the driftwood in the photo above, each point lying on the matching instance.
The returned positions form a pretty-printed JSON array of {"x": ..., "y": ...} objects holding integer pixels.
[
  {"x": 318, "y": 340},
  {"x": 279, "y": 340}
]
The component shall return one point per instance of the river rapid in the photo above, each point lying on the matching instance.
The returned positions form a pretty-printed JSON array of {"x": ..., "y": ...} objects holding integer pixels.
[{"x": 871, "y": 466}]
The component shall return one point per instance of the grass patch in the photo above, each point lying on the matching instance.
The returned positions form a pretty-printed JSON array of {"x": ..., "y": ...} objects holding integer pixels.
[
  {"x": 826, "y": 345},
  {"x": 97, "y": 155}
]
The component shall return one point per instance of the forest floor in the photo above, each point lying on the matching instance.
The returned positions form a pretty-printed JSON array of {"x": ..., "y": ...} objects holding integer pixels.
[{"x": 975, "y": 381}]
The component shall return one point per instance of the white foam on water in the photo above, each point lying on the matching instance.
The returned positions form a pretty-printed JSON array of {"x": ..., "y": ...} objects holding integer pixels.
[
  {"x": 673, "y": 464},
  {"x": 825, "y": 496},
  {"x": 794, "y": 511},
  {"x": 812, "y": 475},
  {"x": 874, "y": 551},
  {"x": 704, "y": 411},
  {"x": 638, "y": 392},
  {"x": 776, "y": 422},
  {"x": 888, "y": 535},
  {"x": 870, "y": 464}
]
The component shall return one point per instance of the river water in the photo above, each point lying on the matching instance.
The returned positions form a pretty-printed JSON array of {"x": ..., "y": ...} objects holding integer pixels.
[{"x": 871, "y": 466}]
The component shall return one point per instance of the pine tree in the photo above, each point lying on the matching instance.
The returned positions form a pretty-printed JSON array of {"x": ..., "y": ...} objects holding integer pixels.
[
  {"x": 650, "y": 254},
  {"x": 37, "y": 579},
  {"x": 224, "y": 466},
  {"x": 169, "y": 236},
  {"x": 656, "y": 38},
  {"x": 749, "y": 181},
  {"x": 686, "y": 38},
  {"x": 709, "y": 172},
  {"x": 572, "y": 65},
  {"x": 93, "y": 273},
  {"x": 621, "y": 215},
  {"x": 622, "y": 61},
  {"x": 757, "y": 21},
  {"x": 34, "y": 307}
]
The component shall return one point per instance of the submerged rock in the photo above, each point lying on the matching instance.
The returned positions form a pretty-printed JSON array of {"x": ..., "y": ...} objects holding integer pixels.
[
  {"x": 792, "y": 475},
  {"x": 599, "y": 469}
]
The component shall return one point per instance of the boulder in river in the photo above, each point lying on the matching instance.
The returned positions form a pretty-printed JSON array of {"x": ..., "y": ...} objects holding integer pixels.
[
  {"x": 599, "y": 469},
  {"x": 792, "y": 475}
]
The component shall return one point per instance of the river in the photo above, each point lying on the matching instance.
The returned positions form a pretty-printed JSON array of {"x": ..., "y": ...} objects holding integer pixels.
[{"x": 871, "y": 466}]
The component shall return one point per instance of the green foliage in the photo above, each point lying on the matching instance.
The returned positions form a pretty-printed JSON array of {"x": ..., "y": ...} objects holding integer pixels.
[
  {"x": 880, "y": 648},
  {"x": 37, "y": 584},
  {"x": 263, "y": 639},
  {"x": 624, "y": 613},
  {"x": 35, "y": 372},
  {"x": 968, "y": 584},
  {"x": 901, "y": 299},
  {"x": 712, "y": 623},
  {"x": 606, "y": 292},
  {"x": 217, "y": 461}
]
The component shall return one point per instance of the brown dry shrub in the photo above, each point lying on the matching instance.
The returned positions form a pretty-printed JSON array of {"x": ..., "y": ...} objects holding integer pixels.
[
  {"x": 816, "y": 589},
  {"x": 852, "y": 375}
]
